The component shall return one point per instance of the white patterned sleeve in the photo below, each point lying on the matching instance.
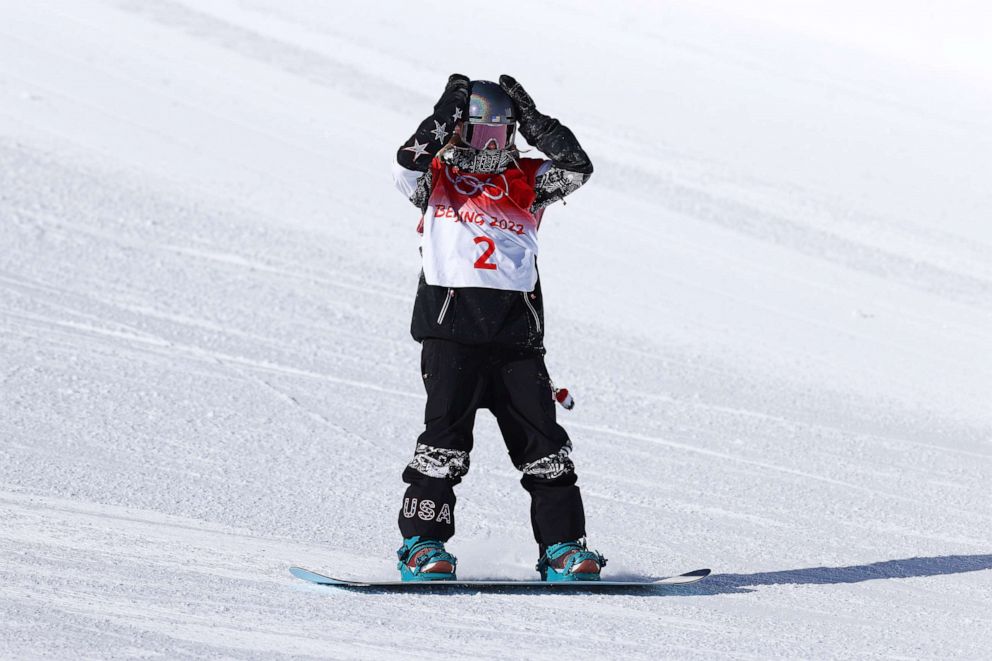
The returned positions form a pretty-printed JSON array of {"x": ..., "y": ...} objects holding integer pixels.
[
  {"x": 553, "y": 183},
  {"x": 415, "y": 185}
]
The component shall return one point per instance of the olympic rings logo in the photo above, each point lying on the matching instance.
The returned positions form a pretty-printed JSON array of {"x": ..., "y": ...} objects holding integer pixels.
[{"x": 471, "y": 186}]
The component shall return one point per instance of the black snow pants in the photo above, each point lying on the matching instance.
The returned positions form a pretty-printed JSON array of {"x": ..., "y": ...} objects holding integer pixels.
[{"x": 513, "y": 384}]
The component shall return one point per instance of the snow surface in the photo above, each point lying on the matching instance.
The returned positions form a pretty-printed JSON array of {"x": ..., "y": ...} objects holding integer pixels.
[{"x": 773, "y": 303}]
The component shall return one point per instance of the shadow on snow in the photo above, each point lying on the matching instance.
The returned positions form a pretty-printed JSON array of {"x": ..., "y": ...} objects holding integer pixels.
[{"x": 906, "y": 568}]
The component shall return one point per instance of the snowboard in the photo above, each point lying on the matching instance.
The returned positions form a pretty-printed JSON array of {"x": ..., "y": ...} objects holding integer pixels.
[{"x": 320, "y": 579}]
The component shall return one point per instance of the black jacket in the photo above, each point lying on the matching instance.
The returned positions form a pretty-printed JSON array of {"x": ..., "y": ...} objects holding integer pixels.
[{"x": 474, "y": 315}]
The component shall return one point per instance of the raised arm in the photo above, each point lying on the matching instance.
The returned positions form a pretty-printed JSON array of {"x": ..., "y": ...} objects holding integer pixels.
[
  {"x": 411, "y": 171},
  {"x": 570, "y": 166}
]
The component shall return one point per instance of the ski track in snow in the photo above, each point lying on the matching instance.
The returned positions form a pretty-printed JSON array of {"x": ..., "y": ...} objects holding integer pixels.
[{"x": 206, "y": 374}]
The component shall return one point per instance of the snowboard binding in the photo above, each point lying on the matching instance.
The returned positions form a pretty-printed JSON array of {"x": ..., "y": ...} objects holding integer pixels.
[
  {"x": 425, "y": 560},
  {"x": 570, "y": 561}
]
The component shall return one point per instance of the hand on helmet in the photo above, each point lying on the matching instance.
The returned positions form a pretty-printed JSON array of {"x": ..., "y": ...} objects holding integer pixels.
[
  {"x": 520, "y": 97},
  {"x": 544, "y": 132},
  {"x": 456, "y": 92},
  {"x": 432, "y": 134}
]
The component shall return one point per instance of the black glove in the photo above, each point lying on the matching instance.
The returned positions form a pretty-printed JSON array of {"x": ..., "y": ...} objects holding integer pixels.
[
  {"x": 546, "y": 133},
  {"x": 526, "y": 107},
  {"x": 434, "y": 132},
  {"x": 456, "y": 93}
]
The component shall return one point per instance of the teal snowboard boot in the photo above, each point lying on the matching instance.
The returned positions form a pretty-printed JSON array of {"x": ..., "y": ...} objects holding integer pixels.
[
  {"x": 570, "y": 561},
  {"x": 425, "y": 560}
]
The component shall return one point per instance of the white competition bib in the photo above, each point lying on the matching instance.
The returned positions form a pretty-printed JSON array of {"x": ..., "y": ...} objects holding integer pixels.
[{"x": 476, "y": 233}]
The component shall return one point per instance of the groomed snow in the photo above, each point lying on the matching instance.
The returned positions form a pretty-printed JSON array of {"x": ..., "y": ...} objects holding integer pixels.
[{"x": 773, "y": 304}]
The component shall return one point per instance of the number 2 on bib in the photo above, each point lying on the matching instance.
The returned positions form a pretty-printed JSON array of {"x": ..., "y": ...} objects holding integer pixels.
[{"x": 482, "y": 262}]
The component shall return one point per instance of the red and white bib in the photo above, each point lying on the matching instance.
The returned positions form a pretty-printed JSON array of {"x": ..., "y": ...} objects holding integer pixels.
[{"x": 478, "y": 230}]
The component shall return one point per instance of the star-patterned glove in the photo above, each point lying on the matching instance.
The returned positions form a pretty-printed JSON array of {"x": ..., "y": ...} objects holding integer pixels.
[
  {"x": 546, "y": 133},
  {"x": 434, "y": 132}
]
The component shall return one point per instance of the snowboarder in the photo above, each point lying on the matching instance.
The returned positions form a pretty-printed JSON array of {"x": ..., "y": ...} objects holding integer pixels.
[{"x": 479, "y": 316}]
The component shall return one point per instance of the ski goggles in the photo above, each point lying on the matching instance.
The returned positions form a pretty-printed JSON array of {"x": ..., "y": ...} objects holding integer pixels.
[{"x": 481, "y": 136}]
